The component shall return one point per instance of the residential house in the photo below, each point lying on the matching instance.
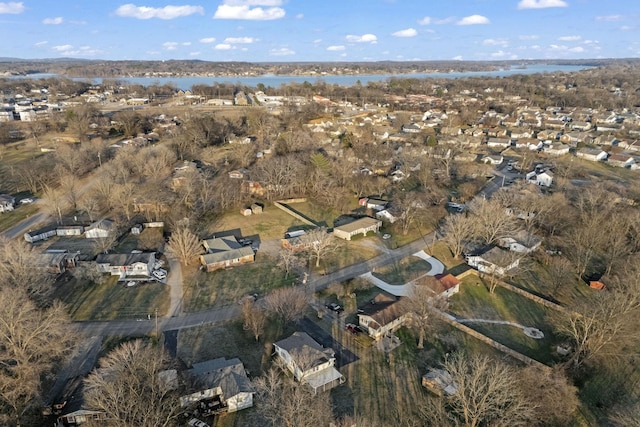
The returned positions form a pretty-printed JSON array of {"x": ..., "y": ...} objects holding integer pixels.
[
  {"x": 73, "y": 411},
  {"x": 621, "y": 160},
  {"x": 557, "y": 149},
  {"x": 574, "y": 137},
  {"x": 382, "y": 315},
  {"x": 521, "y": 241},
  {"x": 439, "y": 381},
  {"x": 492, "y": 260},
  {"x": 241, "y": 173},
  {"x": 309, "y": 362},
  {"x": 374, "y": 204},
  {"x": 447, "y": 284},
  {"x": 70, "y": 230},
  {"x": 359, "y": 226},
  {"x": 582, "y": 126},
  {"x": 7, "y": 202},
  {"x": 223, "y": 252},
  {"x": 127, "y": 265},
  {"x": 412, "y": 128},
  {"x": 499, "y": 142},
  {"x": 40, "y": 234},
  {"x": 100, "y": 229},
  {"x": 493, "y": 159},
  {"x": 390, "y": 215},
  {"x": 592, "y": 154},
  {"x": 221, "y": 386},
  {"x": 540, "y": 177},
  {"x": 56, "y": 262}
]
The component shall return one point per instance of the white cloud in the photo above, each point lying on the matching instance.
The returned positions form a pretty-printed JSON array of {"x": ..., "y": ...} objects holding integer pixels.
[
  {"x": 569, "y": 38},
  {"x": 457, "y": 58},
  {"x": 170, "y": 45},
  {"x": 425, "y": 21},
  {"x": 627, "y": 28},
  {"x": 186, "y": 43},
  {"x": 365, "y": 38},
  {"x": 167, "y": 12},
  {"x": 283, "y": 51},
  {"x": 253, "y": 2},
  {"x": 223, "y": 46},
  {"x": 499, "y": 54},
  {"x": 62, "y": 48},
  {"x": 541, "y": 4},
  {"x": 300, "y": 16},
  {"x": 240, "y": 40},
  {"x": 563, "y": 48},
  {"x": 495, "y": 42},
  {"x": 42, "y": 43},
  {"x": 335, "y": 48},
  {"x": 207, "y": 40},
  {"x": 194, "y": 53},
  {"x": 529, "y": 37},
  {"x": 12, "y": 8},
  {"x": 473, "y": 20},
  {"x": 610, "y": 18},
  {"x": 52, "y": 21},
  {"x": 409, "y": 32},
  {"x": 226, "y": 11}
]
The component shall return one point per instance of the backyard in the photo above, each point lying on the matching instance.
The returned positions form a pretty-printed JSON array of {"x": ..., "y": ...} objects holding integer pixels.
[
  {"x": 475, "y": 302},
  {"x": 272, "y": 223},
  {"x": 204, "y": 290},
  {"x": 112, "y": 300},
  {"x": 403, "y": 271}
]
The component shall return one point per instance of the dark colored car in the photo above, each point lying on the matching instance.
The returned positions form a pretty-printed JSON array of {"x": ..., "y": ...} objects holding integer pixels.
[{"x": 334, "y": 307}]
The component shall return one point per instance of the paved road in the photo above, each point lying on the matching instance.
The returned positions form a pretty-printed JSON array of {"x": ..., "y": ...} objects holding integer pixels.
[
  {"x": 27, "y": 224},
  {"x": 316, "y": 283}
]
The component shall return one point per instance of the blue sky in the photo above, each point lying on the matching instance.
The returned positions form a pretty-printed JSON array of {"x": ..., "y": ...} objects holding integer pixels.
[{"x": 320, "y": 30}]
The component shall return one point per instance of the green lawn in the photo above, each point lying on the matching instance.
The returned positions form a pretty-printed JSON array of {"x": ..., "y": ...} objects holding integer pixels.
[
  {"x": 441, "y": 251},
  {"x": 271, "y": 224},
  {"x": 475, "y": 302},
  {"x": 403, "y": 271},
  {"x": 9, "y": 219},
  {"x": 203, "y": 290},
  {"x": 346, "y": 254},
  {"x": 112, "y": 300}
]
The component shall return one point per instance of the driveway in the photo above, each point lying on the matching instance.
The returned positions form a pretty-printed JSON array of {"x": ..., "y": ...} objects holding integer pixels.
[{"x": 174, "y": 280}]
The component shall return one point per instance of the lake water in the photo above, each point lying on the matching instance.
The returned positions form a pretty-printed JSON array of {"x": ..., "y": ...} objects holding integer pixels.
[{"x": 185, "y": 83}]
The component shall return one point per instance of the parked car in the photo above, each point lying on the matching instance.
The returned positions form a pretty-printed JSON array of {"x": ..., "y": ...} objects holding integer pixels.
[
  {"x": 352, "y": 328},
  {"x": 158, "y": 264},
  {"x": 160, "y": 274},
  {"x": 386, "y": 236},
  {"x": 334, "y": 307},
  {"x": 131, "y": 283},
  {"x": 197, "y": 423},
  {"x": 27, "y": 200}
]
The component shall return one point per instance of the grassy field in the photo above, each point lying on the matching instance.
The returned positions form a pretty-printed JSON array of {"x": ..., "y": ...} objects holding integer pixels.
[
  {"x": 403, "y": 271},
  {"x": 271, "y": 224},
  {"x": 441, "y": 251},
  {"x": 9, "y": 219},
  {"x": 149, "y": 239},
  {"x": 475, "y": 302},
  {"x": 321, "y": 214},
  {"x": 112, "y": 300},
  {"x": 203, "y": 290},
  {"x": 347, "y": 253}
]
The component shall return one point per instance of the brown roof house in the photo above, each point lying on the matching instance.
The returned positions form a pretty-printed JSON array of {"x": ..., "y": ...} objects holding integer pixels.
[
  {"x": 309, "y": 362},
  {"x": 382, "y": 315},
  {"x": 359, "y": 226},
  {"x": 223, "y": 252},
  {"x": 221, "y": 386},
  {"x": 446, "y": 284}
]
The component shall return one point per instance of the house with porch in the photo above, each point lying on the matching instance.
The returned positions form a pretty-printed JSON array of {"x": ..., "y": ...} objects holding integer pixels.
[
  {"x": 492, "y": 260},
  {"x": 382, "y": 315},
  {"x": 7, "y": 202},
  {"x": 359, "y": 226},
  {"x": 100, "y": 229},
  {"x": 220, "y": 385},
  {"x": 521, "y": 241},
  {"x": 225, "y": 251},
  {"x": 309, "y": 362},
  {"x": 127, "y": 265}
]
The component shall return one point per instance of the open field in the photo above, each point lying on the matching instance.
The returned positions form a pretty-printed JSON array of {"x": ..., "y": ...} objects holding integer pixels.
[
  {"x": 403, "y": 271},
  {"x": 271, "y": 224},
  {"x": 112, "y": 300},
  {"x": 475, "y": 302},
  {"x": 322, "y": 215},
  {"x": 203, "y": 290},
  {"x": 347, "y": 253},
  {"x": 150, "y": 239}
]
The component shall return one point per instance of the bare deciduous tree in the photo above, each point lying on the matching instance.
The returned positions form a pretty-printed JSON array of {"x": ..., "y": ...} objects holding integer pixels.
[
  {"x": 486, "y": 393},
  {"x": 184, "y": 245},
  {"x": 17, "y": 269},
  {"x": 318, "y": 243},
  {"x": 31, "y": 340},
  {"x": 289, "y": 260},
  {"x": 457, "y": 229},
  {"x": 54, "y": 202},
  {"x": 287, "y": 303},
  {"x": 491, "y": 223},
  {"x": 128, "y": 388},
  {"x": 422, "y": 302},
  {"x": 254, "y": 318}
]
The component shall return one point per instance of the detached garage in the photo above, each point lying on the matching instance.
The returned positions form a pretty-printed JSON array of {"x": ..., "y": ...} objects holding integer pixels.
[{"x": 359, "y": 226}]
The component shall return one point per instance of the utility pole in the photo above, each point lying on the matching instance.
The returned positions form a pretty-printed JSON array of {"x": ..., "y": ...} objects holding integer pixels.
[{"x": 156, "y": 323}]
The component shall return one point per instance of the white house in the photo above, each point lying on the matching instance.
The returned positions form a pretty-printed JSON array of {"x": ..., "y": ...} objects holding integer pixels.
[
  {"x": 521, "y": 242},
  {"x": 222, "y": 383},
  {"x": 359, "y": 226},
  {"x": 557, "y": 149},
  {"x": 309, "y": 362},
  {"x": 7, "y": 203},
  {"x": 493, "y": 261},
  {"x": 493, "y": 159},
  {"x": 100, "y": 229},
  {"x": 382, "y": 315},
  {"x": 40, "y": 234},
  {"x": 592, "y": 154},
  {"x": 542, "y": 178},
  {"x": 499, "y": 142},
  {"x": 127, "y": 265}
]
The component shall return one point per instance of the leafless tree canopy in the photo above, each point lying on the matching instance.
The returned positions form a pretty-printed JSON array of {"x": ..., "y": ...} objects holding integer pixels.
[
  {"x": 184, "y": 245},
  {"x": 254, "y": 317},
  {"x": 421, "y": 303},
  {"x": 31, "y": 340},
  {"x": 287, "y": 303},
  {"x": 127, "y": 387},
  {"x": 17, "y": 269},
  {"x": 486, "y": 393}
]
